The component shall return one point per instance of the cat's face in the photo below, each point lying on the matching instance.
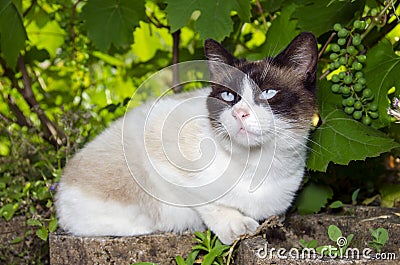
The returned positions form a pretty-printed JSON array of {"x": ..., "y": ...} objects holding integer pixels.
[{"x": 253, "y": 102}]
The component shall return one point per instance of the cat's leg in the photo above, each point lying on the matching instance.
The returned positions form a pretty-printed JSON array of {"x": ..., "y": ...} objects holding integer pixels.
[
  {"x": 227, "y": 223},
  {"x": 86, "y": 215}
]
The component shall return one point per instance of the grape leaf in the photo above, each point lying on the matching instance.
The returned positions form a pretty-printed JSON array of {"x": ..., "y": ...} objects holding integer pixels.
[
  {"x": 48, "y": 37},
  {"x": 276, "y": 38},
  {"x": 319, "y": 17},
  {"x": 313, "y": 197},
  {"x": 341, "y": 139},
  {"x": 215, "y": 18},
  {"x": 111, "y": 22},
  {"x": 12, "y": 31},
  {"x": 382, "y": 70}
]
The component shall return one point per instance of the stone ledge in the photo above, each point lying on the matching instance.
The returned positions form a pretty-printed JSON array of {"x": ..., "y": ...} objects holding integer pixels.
[
  {"x": 163, "y": 248},
  {"x": 159, "y": 248}
]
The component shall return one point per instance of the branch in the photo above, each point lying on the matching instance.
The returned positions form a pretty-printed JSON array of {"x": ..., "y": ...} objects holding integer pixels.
[
  {"x": 53, "y": 134},
  {"x": 22, "y": 120},
  {"x": 175, "y": 59}
]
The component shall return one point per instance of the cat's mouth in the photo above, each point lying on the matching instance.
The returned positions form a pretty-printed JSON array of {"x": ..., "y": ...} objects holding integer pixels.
[{"x": 244, "y": 131}]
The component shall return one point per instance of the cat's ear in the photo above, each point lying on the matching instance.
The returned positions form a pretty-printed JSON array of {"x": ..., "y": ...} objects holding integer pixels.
[
  {"x": 217, "y": 53},
  {"x": 301, "y": 54}
]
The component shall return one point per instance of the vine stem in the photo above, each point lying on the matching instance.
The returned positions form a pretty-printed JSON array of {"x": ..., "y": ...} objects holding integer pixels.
[
  {"x": 261, "y": 11},
  {"x": 175, "y": 60},
  {"x": 321, "y": 52},
  {"x": 373, "y": 21}
]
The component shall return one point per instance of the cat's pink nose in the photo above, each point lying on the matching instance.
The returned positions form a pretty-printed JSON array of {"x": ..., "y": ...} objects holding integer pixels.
[{"x": 241, "y": 113}]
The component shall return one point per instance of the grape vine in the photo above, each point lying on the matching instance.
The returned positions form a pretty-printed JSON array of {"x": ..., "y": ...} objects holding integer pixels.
[{"x": 347, "y": 77}]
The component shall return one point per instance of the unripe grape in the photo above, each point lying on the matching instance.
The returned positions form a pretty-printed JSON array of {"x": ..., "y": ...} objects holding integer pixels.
[
  {"x": 357, "y": 105},
  {"x": 342, "y": 75},
  {"x": 362, "y": 58},
  {"x": 337, "y": 27},
  {"x": 348, "y": 79},
  {"x": 366, "y": 120},
  {"x": 356, "y": 40},
  {"x": 357, "y": 114},
  {"x": 374, "y": 12},
  {"x": 343, "y": 60},
  {"x": 349, "y": 110},
  {"x": 358, "y": 87},
  {"x": 357, "y": 66},
  {"x": 351, "y": 50},
  {"x": 359, "y": 75},
  {"x": 332, "y": 66},
  {"x": 363, "y": 24},
  {"x": 374, "y": 115},
  {"x": 335, "y": 88},
  {"x": 335, "y": 47},
  {"x": 345, "y": 90},
  {"x": 342, "y": 33},
  {"x": 357, "y": 24},
  {"x": 373, "y": 106},
  {"x": 333, "y": 56},
  {"x": 335, "y": 78},
  {"x": 362, "y": 81},
  {"x": 367, "y": 93},
  {"x": 360, "y": 47},
  {"x": 341, "y": 41},
  {"x": 344, "y": 102},
  {"x": 337, "y": 64},
  {"x": 350, "y": 101}
]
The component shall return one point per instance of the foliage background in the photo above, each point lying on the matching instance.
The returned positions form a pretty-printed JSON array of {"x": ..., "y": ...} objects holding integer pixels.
[{"x": 69, "y": 68}]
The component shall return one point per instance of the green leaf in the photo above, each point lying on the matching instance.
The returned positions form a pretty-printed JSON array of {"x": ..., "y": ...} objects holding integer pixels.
[
  {"x": 336, "y": 204},
  {"x": 12, "y": 32},
  {"x": 213, "y": 254},
  {"x": 111, "y": 22},
  {"x": 313, "y": 197},
  {"x": 383, "y": 235},
  {"x": 355, "y": 195},
  {"x": 179, "y": 260},
  {"x": 42, "y": 233},
  {"x": 8, "y": 211},
  {"x": 192, "y": 257},
  {"x": 215, "y": 18},
  {"x": 390, "y": 194},
  {"x": 17, "y": 240},
  {"x": 53, "y": 224},
  {"x": 334, "y": 233},
  {"x": 34, "y": 222},
  {"x": 317, "y": 17},
  {"x": 48, "y": 37},
  {"x": 341, "y": 139},
  {"x": 382, "y": 70},
  {"x": 276, "y": 38}
]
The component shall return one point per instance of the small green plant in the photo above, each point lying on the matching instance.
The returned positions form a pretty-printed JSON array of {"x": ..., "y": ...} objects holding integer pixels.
[
  {"x": 336, "y": 235},
  {"x": 214, "y": 251},
  {"x": 308, "y": 244},
  {"x": 379, "y": 238},
  {"x": 340, "y": 204}
]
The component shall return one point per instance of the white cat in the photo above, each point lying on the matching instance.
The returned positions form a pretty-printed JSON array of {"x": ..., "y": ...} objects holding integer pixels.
[{"x": 223, "y": 157}]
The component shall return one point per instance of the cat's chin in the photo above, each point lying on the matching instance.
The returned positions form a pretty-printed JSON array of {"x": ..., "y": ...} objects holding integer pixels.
[{"x": 248, "y": 138}]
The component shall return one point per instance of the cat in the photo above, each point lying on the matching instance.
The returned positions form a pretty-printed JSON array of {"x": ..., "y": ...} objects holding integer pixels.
[{"x": 241, "y": 160}]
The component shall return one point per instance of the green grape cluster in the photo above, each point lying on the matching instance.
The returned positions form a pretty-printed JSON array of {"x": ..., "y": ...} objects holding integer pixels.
[{"x": 347, "y": 55}]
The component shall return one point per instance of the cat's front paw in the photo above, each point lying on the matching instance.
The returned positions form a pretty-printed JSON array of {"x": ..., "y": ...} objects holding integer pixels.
[{"x": 233, "y": 228}]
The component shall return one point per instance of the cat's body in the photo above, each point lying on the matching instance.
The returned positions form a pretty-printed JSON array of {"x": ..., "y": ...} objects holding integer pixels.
[{"x": 241, "y": 164}]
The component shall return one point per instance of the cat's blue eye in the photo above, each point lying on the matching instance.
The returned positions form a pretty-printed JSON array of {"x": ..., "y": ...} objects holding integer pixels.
[
  {"x": 268, "y": 94},
  {"x": 227, "y": 96}
]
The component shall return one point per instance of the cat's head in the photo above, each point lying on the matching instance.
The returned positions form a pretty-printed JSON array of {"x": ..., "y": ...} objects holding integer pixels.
[{"x": 252, "y": 102}]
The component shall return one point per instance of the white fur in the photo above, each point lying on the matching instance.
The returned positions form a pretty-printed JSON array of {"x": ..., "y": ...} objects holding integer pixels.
[{"x": 184, "y": 176}]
